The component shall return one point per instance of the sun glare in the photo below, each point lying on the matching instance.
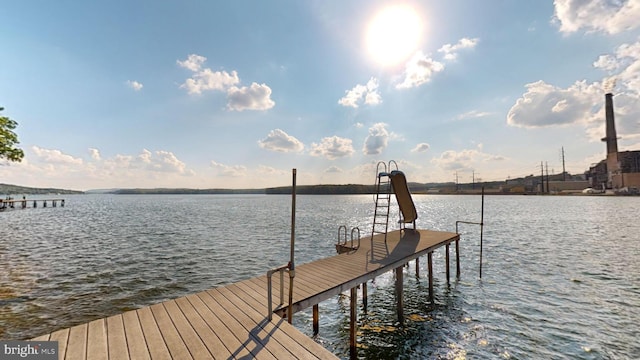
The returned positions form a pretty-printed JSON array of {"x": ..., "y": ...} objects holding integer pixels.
[{"x": 393, "y": 34}]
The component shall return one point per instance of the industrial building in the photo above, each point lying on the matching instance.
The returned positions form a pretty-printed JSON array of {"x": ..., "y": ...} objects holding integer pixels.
[{"x": 621, "y": 169}]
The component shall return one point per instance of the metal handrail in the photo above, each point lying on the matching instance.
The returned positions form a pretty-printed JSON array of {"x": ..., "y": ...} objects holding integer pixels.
[
  {"x": 352, "y": 230},
  {"x": 345, "y": 235},
  {"x": 270, "y": 273}
]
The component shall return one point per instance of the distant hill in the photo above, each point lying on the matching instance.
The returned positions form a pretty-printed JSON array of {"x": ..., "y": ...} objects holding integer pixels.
[
  {"x": 8, "y": 189},
  {"x": 326, "y": 189},
  {"x": 181, "y": 191}
]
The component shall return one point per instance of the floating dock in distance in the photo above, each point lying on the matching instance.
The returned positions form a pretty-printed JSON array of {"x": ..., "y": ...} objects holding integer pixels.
[
  {"x": 233, "y": 321},
  {"x": 24, "y": 203}
]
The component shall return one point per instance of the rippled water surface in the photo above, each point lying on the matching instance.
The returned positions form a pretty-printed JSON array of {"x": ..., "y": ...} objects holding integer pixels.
[{"x": 561, "y": 275}]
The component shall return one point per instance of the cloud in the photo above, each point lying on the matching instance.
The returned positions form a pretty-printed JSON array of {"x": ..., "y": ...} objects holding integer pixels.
[
  {"x": 263, "y": 169},
  {"x": 627, "y": 61},
  {"x": 472, "y": 115},
  {"x": 57, "y": 169},
  {"x": 208, "y": 80},
  {"x": 254, "y": 97},
  {"x": 597, "y": 15},
  {"x": 134, "y": 85},
  {"x": 231, "y": 171},
  {"x": 194, "y": 62},
  {"x": 583, "y": 103},
  {"x": 451, "y": 51},
  {"x": 368, "y": 93},
  {"x": 278, "y": 140},
  {"x": 162, "y": 161},
  {"x": 333, "y": 169},
  {"x": 547, "y": 105},
  {"x": 95, "y": 154},
  {"x": 332, "y": 148},
  {"x": 377, "y": 139},
  {"x": 463, "y": 160},
  {"x": 55, "y": 156},
  {"x": 159, "y": 161},
  {"x": 419, "y": 70},
  {"x": 422, "y": 147},
  {"x": 606, "y": 62}
]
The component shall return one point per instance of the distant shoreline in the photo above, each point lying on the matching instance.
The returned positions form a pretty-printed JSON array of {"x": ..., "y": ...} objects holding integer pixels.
[{"x": 348, "y": 189}]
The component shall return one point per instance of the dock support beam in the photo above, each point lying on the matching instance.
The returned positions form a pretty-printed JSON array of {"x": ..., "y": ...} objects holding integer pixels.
[
  {"x": 430, "y": 266},
  {"x": 446, "y": 249},
  {"x": 364, "y": 296},
  {"x": 458, "y": 258},
  {"x": 417, "y": 267},
  {"x": 353, "y": 350},
  {"x": 399, "y": 298},
  {"x": 316, "y": 319}
]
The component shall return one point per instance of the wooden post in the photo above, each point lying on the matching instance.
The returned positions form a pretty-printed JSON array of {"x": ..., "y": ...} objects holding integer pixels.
[
  {"x": 446, "y": 249},
  {"x": 430, "y": 266},
  {"x": 364, "y": 295},
  {"x": 316, "y": 318},
  {"x": 418, "y": 267},
  {"x": 458, "y": 258},
  {"x": 353, "y": 350},
  {"x": 399, "y": 299},
  {"x": 292, "y": 266}
]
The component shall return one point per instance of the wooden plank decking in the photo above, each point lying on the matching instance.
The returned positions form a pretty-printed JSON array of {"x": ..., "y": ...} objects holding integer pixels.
[{"x": 231, "y": 321}]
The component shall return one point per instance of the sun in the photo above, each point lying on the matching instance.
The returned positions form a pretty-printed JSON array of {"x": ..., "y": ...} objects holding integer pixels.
[{"x": 393, "y": 34}]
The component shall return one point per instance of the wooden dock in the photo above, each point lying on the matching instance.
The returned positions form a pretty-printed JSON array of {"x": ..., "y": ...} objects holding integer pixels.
[
  {"x": 24, "y": 203},
  {"x": 232, "y": 321}
]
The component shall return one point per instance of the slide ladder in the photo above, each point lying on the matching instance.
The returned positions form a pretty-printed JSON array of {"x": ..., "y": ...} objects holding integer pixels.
[{"x": 382, "y": 199}]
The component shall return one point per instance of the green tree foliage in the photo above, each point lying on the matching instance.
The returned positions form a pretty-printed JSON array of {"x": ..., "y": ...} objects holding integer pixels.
[{"x": 9, "y": 140}]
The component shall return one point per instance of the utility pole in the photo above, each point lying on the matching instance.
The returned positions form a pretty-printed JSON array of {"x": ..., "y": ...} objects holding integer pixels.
[
  {"x": 564, "y": 172},
  {"x": 541, "y": 178},
  {"x": 473, "y": 179},
  {"x": 547, "y": 166},
  {"x": 456, "y": 181}
]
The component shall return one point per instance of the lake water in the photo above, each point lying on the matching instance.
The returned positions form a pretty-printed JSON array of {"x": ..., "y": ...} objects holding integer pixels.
[{"x": 561, "y": 275}]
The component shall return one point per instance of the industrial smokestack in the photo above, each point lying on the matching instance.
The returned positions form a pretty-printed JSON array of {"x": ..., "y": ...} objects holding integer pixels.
[{"x": 611, "y": 138}]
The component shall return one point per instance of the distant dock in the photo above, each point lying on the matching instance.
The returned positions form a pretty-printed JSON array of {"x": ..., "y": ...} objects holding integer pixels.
[
  {"x": 234, "y": 321},
  {"x": 25, "y": 203}
]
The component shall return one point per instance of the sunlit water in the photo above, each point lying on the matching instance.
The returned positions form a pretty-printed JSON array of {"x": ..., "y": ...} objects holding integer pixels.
[{"x": 561, "y": 275}]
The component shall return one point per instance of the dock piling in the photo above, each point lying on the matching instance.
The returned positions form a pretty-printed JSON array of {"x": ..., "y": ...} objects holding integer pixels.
[
  {"x": 399, "y": 291},
  {"x": 430, "y": 266},
  {"x": 316, "y": 320},
  {"x": 364, "y": 296},
  {"x": 353, "y": 350},
  {"x": 446, "y": 249},
  {"x": 458, "y": 258}
]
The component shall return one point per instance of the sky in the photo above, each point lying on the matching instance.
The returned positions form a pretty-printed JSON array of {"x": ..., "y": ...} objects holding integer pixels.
[{"x": 235, "y": 94}]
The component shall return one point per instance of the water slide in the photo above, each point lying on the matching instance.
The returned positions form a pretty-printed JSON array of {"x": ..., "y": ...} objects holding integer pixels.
[{"x": 403, "y": 196}]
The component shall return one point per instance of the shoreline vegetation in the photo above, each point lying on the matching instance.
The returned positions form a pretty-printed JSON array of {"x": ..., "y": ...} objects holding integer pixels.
[
  {"x": 492, "y": 188},
  {"x": 324, "y": 189}
]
